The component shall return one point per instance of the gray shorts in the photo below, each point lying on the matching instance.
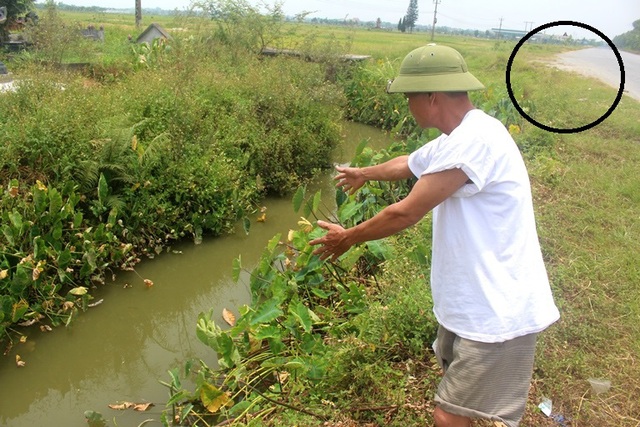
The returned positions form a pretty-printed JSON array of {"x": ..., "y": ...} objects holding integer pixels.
[{"x": 483, "y": 380}]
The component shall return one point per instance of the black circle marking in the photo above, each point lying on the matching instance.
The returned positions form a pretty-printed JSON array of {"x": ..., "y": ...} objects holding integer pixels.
[{"x": 569, "y": 130}]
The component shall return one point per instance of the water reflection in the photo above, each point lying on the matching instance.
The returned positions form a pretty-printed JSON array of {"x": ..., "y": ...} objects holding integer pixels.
[{"x": 119, "y": 350}]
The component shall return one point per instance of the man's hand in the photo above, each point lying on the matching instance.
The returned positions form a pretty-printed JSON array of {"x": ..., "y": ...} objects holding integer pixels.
[
  {"x": 350, "y": 179},
  {"x": 334, "y": 243}
]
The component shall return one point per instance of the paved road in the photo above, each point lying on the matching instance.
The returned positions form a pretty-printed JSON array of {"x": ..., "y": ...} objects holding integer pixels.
[{"x": 601, "y": 63}]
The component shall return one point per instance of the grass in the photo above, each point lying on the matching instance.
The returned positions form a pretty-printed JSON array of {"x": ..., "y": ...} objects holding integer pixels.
[
  {"x": 590, "y": 231},
  {"x": 589, "y": 226}
]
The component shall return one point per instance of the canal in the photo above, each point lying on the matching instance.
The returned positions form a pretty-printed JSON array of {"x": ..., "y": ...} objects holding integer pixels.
[{"x": 120, "y": 350}]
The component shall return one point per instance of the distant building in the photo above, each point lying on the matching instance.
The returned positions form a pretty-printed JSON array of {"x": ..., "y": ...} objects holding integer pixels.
[
  {"x": 509, "y": 34},
  {"x": 153, "y": 31}
]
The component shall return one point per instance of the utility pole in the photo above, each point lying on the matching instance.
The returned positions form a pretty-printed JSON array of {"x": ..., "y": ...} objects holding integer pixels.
[
  {"x": 435, "y": 12},
  {"x": 138, "y": 13},
  {"x": 500, "y": 28}
]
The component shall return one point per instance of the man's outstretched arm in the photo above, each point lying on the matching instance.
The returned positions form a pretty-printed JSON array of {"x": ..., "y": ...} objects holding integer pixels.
[
  {"x": 351, "y": 179},
  {"x": 427, "y": 193}
]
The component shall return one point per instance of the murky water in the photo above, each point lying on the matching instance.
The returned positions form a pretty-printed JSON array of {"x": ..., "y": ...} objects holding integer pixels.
[{"x": 121, "y": 349}]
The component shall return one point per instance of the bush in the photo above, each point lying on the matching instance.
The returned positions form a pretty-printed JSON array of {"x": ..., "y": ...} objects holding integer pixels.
[{"x": 181, "y": 148}]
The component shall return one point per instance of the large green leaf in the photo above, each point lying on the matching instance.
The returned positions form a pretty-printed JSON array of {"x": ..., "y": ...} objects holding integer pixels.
[
  {"x": 273, "y": 243},
  {"x": 90, "y": 257},
  {"x": 39, "y": 200},
  {"x": 18, "y": 310},
  {"x": 64, "y": 258},
  {"x": 380, "y": 248},
  {"x": 39, "y": 249},
  {"x": 317, "y": 198},
  {"x": 77, "y": 219},
  {"x": 269, "y": 331},
  {"x": 236, "y": 268},
  {"x": 55, "y": 201},
  {"x": 348, "y": 210},
  {"x": 16, "y": 220},
  {"x": 207, "y": 331},
  {"x": 266, "y": 312},
  {"x": 301, "y": 314},
  {"x": 56, "y": 231},
  {"x": 361, "y": 147},
  {"x": 298, "y": 198},
  {"x": 341, "y": 198},
  {"x": 103, "y": 189},
  {"x": 9, "y": 234},
  {"x": 20, "y": 280}
]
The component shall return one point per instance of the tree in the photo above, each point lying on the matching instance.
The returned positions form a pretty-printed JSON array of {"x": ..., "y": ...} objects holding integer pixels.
[
  {"x": 16, "y": 9},
  {"x": 630, "y": 40},
  {"x": 401, "y": 25},
  {"x": 411, "y": 17}
]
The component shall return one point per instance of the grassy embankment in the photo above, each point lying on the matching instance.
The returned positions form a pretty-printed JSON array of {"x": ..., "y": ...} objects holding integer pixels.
[
  {"x": 143, "y": 146},
  {"x": 587, "y": 214},
  {"x": 587, "y": 208},
  {"x": 586, "y": 198}
]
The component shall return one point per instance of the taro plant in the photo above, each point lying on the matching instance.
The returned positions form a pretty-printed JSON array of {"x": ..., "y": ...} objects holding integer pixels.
[
  {"x": 50, "y": 256},
  {"x": 277, "y": 347},
  {"x": 368, "y": 102}
]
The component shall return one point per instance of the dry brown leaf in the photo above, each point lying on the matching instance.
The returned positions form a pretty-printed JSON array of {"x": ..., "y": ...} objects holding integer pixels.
[
  {"x": 120, "y": 406},
  {"x": 95, "y": 304},
  {"x": 142, "y": 406},
  {"x": 19, "y": 362},
  {"x": 148, "y": 282},
  {"x": 305, "y": 225},
  {"x": 127, "y": 405},
  {"x": 31, "y": 321},
  {"x": 213, "y": 398},
  {"x": 228, "y": 317}
]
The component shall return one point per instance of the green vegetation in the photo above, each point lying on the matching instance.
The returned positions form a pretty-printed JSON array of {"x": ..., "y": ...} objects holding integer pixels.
[
  {"x": 376, "y": 359},
  {"x": 630, "y": 40},
  {"x": 174, "y": 140},
  {"x": 15, "y": 16},
  {"x": 168, "y": 141}
]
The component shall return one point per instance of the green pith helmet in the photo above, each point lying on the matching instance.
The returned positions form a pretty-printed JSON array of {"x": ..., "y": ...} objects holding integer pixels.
[{"x": 434, "y": 68}]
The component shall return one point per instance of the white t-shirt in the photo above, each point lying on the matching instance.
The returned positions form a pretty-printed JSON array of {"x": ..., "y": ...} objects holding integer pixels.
[{"x": 488, "y": 279}]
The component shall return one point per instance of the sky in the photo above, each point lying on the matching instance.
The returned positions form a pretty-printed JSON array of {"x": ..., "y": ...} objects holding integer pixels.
[{"x": 612, "y": 17}]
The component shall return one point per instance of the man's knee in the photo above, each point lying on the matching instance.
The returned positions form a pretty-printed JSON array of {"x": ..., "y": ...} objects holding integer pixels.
[{"x": 446, "y": 419}]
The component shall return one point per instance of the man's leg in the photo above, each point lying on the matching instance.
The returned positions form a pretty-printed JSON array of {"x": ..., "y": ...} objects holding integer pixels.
[{"x": 445, "y": 419}]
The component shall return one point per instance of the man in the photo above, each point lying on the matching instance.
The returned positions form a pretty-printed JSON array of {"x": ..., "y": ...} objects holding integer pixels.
[{"x": 490, "y": 289}]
